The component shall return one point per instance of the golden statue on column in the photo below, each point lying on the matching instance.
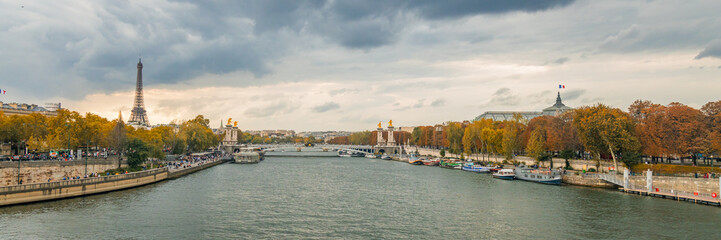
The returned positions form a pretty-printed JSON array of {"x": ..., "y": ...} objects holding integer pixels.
[
  {"x": 379, "y": 125},
  {"x": 229, "y": 119},
  {"x": 390, "y": 123}
]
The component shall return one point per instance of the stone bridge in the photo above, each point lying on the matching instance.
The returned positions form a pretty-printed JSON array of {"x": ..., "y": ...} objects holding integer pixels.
[{"x": 320, "y": 147}]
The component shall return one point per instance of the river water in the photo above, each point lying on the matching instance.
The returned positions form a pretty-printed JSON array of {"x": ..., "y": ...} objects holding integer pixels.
[{"x": 356, "y": 198}]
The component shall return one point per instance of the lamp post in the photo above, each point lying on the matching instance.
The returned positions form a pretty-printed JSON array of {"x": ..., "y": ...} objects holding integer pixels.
[{"x": 18, "y": 171}]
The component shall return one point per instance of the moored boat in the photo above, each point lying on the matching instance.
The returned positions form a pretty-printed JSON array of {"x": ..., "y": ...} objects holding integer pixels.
[
  {"x": 450, "y": 164},
  {"x": 431, "y": 162},
  {"x": 413, "y": 159},
  {"x": 475, "y": 168},
  {"x": 505, "y": 174},
  {"x": 538, "y": 175},
  {"x": 246, "y": 157},
  {"x": 386, "y": 157},
  {"x": 370, "y": 155},
  {"x": 344, "y": 154}
]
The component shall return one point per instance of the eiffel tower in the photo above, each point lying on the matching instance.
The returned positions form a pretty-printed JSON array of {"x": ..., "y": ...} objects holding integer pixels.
[{"x": 138, "y": 116}]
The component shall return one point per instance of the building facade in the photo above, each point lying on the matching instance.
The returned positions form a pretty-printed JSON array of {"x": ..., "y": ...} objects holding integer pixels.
[
  {"x": 26, "y": 109},
  {"x": 557, "y": 109}
]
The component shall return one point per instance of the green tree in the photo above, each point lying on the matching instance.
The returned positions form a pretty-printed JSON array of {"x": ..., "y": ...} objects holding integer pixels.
[
  {"x": 138, "y": 152},
  {"x": 630, "y": 159},
  {"x": 567, "y": 154}
]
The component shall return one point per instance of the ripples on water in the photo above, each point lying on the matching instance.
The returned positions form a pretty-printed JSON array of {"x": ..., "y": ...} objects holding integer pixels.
[{"x": 357, "y": 198}]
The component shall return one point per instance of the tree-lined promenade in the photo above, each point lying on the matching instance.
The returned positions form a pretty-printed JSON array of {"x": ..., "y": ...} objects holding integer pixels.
[
  {"x": 70, "y": 130},
  {"x": 657, "y": 132}
]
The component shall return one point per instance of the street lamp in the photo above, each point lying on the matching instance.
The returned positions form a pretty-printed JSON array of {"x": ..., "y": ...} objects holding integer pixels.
[{"x": 18, "y": 171}]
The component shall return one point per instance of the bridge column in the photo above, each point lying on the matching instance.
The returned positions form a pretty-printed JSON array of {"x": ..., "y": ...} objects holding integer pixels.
[
  {"x": 649, "y": 180},
  {"x": 625, "y": 178}
]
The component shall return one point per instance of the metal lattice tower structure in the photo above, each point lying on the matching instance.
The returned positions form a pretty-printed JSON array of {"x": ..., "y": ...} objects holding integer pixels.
[{"x": 138, "y": 115}]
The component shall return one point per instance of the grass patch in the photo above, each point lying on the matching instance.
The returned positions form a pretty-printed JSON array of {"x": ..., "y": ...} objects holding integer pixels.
[{"x": 674, "y": 169}]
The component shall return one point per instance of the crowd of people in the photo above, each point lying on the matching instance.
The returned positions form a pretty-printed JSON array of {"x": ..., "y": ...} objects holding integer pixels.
[
  {"x": 183, "y": 162},
  {"x": 58, "y": 156}
]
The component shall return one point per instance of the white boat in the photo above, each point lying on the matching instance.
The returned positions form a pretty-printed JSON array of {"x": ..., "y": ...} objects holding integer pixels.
[
  {"x": 538, "y": 175},
  {"x": 370, "y": 155},
  {"x": 246, "y": 157},
  {"x": 475, "y": 168},
  {"x": 505, "y": 174},
  {"x": 344, "y": 154},
  {"x": 386, "y": 157}
]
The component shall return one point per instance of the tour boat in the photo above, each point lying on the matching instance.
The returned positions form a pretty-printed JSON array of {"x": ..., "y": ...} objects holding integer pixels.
[
  {"x": 505, "y": 174},
  {"x": 370, "y": 155},
  {"x": 246, "y": 157},
  {"x": 538, "y": 175},
  {"x": 344, "y": 154},
  {"x": 475, "y": 168},
  {"x": 357, "y": 154},
  {"x": 386, "y": 157}
]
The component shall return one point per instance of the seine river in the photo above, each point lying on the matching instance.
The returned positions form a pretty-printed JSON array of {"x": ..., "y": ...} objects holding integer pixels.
[{"x": 357, "y": 198}]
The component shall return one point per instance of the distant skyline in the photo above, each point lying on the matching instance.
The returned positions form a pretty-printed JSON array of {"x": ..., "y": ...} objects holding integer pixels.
[{"x": 347, "y": 65}]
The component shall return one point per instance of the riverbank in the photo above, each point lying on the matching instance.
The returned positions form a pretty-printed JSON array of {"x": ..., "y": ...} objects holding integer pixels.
[
  {"x": 704, "y": 190},
  {"x": 27, "y": 193},
  {"x": 31, "y": 172}
]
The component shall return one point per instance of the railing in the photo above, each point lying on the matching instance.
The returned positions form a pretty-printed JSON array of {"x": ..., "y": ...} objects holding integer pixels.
[
  {"x": 612, "y": 178},
  {"x": 79, "y": 182},
  {"x": 618, "y": 180}
]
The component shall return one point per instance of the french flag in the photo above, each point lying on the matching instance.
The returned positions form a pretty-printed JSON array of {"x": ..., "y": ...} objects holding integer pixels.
[{"x": 561, "y": 86}]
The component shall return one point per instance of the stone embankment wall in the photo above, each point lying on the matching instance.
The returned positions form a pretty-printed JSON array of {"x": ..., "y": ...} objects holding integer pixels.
[
  {"x": 577, "y": 164},
  {"x": 64, "y": 189},
  {"x": 40, "y": 171},
  {"x": 687, "y": 184},
  {"x": 26, "y": 193}
]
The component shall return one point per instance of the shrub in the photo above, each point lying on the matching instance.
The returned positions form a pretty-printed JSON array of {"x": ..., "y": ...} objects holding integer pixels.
[{"x": 591, "y": 170}]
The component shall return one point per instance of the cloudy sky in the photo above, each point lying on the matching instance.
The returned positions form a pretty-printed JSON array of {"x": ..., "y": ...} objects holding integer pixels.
[{"x": 346, "y": 65}]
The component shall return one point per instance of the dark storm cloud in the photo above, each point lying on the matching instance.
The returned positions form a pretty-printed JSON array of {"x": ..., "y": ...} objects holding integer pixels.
[
  {"x": 96, "y": 47},
  {"x": 713, "y": 50},
  {"x": 326, "y": 107},
  {"x": 433, "y": 9}
]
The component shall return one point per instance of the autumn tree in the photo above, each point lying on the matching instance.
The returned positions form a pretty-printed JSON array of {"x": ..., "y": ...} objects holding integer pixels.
[
  {"x": 454, "y": 137},
  {"x": 605, "y": 130},
  {"x": 511, "y": 141},
  {"x": 712, "y": 122}
]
